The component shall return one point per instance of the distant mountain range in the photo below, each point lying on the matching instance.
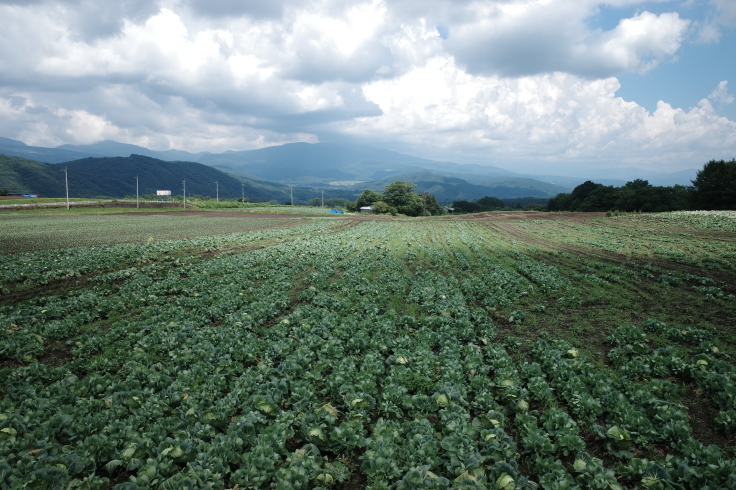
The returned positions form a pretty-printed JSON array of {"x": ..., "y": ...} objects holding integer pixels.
[
  {"x": 349, "y": 168},
  {"x": 453, "y": 188}
]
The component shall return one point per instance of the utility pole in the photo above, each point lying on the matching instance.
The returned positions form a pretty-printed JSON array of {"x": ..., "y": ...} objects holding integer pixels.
[
  {"x": 137, "y": 205},
  {"x": 217, "y": 191},
  {"x": 66, "y": 182},
  {"x": 291, "y": 191},
  {"x": 323, "y": 198},
  {"x": 242, "y": 188},
  {"x": 184, "y": 182}
]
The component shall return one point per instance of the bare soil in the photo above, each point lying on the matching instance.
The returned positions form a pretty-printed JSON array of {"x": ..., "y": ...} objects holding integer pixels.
[
  {"x": 702, "y": 410},
  {"x": 490, "y": 215},
  {"x": 222, "y": 214},
  {"x": 504, "y": 215}
]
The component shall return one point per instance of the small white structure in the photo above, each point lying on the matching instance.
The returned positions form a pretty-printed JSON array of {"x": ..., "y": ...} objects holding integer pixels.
[
  {"x": 164, "y": 195},
  {"x": 366, "y": 209}
]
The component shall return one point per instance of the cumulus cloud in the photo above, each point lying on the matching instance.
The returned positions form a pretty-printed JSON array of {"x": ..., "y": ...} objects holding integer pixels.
[
  {"x": 319, "y": 45},
  {"x": 721, "y": 95}
]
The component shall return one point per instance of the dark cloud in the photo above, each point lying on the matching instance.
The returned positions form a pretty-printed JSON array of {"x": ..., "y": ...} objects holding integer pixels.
[
  {"x": 257, "y": 9},
  {"x": 94, "y": 19},
  {"x": 16, "y": 101},
  {"x": 556, "y": 39}
]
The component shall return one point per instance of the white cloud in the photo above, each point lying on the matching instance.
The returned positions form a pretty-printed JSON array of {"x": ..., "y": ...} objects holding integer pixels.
[
  {"x": 708, "y": 32},
  {"x": 641, "y": 42},
  {"x": 723, "y": 15},
  {"x": 726, "y": 11},
  {"x": 318, "y": 44},
  {"x": 721, "y": 95}
]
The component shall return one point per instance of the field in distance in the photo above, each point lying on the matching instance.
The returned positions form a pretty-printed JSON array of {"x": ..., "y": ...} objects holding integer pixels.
[{"x": 293, "y": 352}]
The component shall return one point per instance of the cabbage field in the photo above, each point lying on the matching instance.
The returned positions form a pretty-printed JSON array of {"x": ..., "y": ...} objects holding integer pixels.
[{"x": 321, "y": 353}]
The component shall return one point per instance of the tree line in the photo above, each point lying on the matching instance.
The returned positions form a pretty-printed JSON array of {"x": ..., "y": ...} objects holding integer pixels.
[{"x": 714, "y": 188}]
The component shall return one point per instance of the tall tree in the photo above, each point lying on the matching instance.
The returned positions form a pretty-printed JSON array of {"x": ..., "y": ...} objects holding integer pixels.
[
  {"x": 430, "y": 206},
  {"x": 715, "y": 186},
  {"x": 368, "y": 197},
  {"x": 401, "y": 196}
]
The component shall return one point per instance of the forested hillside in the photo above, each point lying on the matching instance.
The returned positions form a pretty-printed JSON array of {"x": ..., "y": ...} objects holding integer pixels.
[{"x": 116, "y": 177}]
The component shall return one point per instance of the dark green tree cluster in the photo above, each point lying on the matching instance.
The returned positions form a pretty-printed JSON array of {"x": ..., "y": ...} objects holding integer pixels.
[
  {"x": 399, "y": 198},
  {"x": 713, "y": 188},
  {"x": 637, "y": 195},
  {"x": 482, "y": 204},
  {"x": 4, "y": 192}
]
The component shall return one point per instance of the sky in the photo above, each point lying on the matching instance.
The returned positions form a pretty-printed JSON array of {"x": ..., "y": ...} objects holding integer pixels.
[{"x": 551, "y": 86}]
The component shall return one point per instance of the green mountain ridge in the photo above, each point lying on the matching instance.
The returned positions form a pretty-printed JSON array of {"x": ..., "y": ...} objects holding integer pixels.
[
  {"x": 109, "y": 148},
  {"x": 453, "y": 188},
  {"x": 325, "y": 162},
  {"x": 16, "y": 148},
  {"x": 115, "y": 177}
]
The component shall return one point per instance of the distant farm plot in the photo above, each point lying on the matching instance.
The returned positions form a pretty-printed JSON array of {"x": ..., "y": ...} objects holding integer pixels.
[{"x": 28, "y": 232}]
